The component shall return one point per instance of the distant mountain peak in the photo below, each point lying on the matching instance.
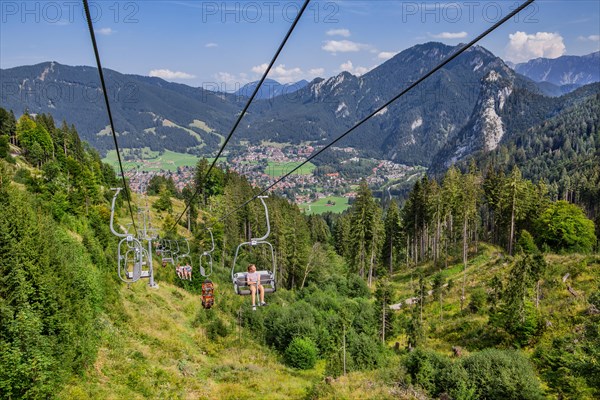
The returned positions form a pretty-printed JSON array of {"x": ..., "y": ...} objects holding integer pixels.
[
  {"x": 271, "y": 88},
  {"x": 564, "y": 70}
]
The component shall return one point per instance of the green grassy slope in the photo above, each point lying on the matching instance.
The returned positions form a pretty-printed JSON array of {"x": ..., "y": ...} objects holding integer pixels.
[
  {"x": 160, "y": 349},
  {"x": 564, "y": 339}
]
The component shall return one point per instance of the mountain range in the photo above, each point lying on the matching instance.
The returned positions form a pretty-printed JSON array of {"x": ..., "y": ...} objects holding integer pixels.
[
  {"x": 270, "y": 88},
  {"x": 472, "y": 104},
  {"x": 565, "y": 70}
]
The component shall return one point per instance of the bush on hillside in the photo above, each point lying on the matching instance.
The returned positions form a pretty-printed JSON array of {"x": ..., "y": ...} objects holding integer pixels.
[
  {"x": 564, "y": 228},
  {"x": 489, "y": 374},
  {"x": 502, "y": 374},
  {"x": 301, "y": 353}
]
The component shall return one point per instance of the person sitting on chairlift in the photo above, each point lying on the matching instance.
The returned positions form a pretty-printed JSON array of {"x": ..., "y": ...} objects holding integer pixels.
[
  {"x": 252, "y": 278},
  {"x": 187, "y": 271}
]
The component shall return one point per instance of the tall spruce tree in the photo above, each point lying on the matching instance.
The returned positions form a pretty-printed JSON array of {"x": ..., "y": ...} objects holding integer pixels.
[
  {"x": 393, "y": 237},
  {"x": 366, "y": 232}
]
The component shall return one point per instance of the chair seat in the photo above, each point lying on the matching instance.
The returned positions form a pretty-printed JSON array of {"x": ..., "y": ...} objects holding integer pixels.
[
  {"x": 266, "y": 279},
  {"x": 143, "y": 274}
]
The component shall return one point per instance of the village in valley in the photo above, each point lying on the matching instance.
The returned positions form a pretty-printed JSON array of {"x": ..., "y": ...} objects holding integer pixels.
[{"x": 325, "y": 183}]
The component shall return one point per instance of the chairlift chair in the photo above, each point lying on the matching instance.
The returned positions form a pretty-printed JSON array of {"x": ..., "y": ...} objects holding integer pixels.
[
  {"x": 266, "y": 278},
  {"x": 160, "y": 247},
  {"x": 174, "y": 250},
  {"x": 208, "y": 288},
  {"x": 207, "y": 255},
  {"x": 166, "y": 253},
  {"x": 185, "y": 256},
  {"x": 133, "y": 258}
]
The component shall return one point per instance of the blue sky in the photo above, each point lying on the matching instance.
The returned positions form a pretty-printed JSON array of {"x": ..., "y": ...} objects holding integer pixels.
[{"x": 227, "y": 43}]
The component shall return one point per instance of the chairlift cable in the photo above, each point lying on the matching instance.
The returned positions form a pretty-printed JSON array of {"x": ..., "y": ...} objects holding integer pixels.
[{"x": 110, "y": 117}]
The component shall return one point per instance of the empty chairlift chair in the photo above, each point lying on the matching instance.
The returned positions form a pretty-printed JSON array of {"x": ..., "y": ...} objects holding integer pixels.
[
  {"x": 208, "y": 297},
  {"x": 206, "y": 257},
  {"x": 267, "y": 278},
  {"x": 132, "y": 256},
  {"x": 167, "y": 253}
]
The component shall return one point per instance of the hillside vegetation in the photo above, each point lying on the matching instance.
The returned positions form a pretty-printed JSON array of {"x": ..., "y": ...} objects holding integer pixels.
[{"x": 495, "y": 282}]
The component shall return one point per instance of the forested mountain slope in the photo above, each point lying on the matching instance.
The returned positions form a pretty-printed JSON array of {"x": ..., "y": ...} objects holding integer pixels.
[
  {"x": 503, "y": 112},
  {"x": 150, "y": 112},
  {"x": 563, "y": 151}
]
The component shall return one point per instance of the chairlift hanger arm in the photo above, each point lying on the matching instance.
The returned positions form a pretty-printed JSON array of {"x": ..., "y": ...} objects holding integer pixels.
[
  {"x": 266, "y": 235},
  {"x": 212, "y": 240},
  {"x": 112, "y": 214}
]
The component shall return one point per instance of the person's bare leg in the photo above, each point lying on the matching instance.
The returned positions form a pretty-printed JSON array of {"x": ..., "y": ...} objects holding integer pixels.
[
  {"x": 253, "y": 291},
  {"x": 262, "y": 294}
]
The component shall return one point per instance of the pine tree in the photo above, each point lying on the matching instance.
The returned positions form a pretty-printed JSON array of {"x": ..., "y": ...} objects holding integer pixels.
[
  {"x": 468, "y": 200},
  {"x": 451, "y": 193},
  {"x": 393, "y": 237},
  {"x": 383, "y": 298},
  {"x": 366, "y": 232}
]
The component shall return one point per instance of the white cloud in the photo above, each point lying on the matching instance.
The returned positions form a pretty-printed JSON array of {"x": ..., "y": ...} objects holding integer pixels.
[
  {"x": 591, "y": 38},
  {"x": 386, "y": 55},
  {"x": 209, "y": 45},
  {"x": 286, "y": 75},
  {"x": 523, "y": 47},
  {"x": 170, "y": 75},
  {"x": 338, "y": 32},
  {"x": 348, "y": 66},
  {"x": 449, "y": 35},
  {"x": 280, "y": 73},
  {"x": 105, "y": 31},
  {"x": 260, "y": 69},
  {"x": 228, "y": 82},
  {"x": 314, "y": 72},
  {"x": 343, "y": 46}
]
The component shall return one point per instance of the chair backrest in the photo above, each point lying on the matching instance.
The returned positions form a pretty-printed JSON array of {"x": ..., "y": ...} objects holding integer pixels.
[{"x": 266, "y": 278}]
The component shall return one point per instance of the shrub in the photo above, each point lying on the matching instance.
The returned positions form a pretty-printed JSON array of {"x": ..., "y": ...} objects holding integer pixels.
[
  {"x": 453, "y": 380},
  {"x": 22, "y": 176},
  {"x": 358, "y": 287},
  {"x": 282, "y": 325},
  {"x": 502, "y": 374},
  {"x": 215, "y": 328},
  {"x": 365, "y": 352},
  {"x": 595, "y": 299},
  {"x": 4, "y": 148},
  {"x": 424, "y": 366},
  {"x": 301, "y": 353},
  {"x": 489, "y": 374},
  {"x": 526, "y": 244},
  {"x": 564, "y": 227},
  {"x": 478, "y": 300}
]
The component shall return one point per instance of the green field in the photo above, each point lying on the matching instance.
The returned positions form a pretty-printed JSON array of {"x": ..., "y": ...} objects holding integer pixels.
[
  {"x": 320, "y": 206},
  {"x": 152, "y": 160},
  {"x": 276, "y": 169}
]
